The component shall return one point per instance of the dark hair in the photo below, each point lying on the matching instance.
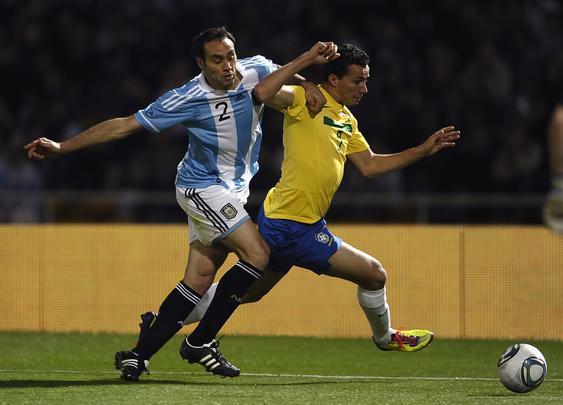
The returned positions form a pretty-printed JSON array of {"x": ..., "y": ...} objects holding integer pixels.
[
  {"x": 349, "y": 55},
  {"x": 208, "y": 35}
]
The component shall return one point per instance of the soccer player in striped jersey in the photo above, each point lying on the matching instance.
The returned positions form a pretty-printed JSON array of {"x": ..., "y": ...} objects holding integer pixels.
[
  {"x": 292, "y": 217},
  {"x": 222, "y": 122}
]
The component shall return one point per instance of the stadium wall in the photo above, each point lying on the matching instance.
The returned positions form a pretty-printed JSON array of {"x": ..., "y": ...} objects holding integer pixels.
[{"x": 470, "y": 282}]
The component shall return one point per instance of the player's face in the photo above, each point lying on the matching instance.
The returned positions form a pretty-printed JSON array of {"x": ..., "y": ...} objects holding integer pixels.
[
  {"x": 352, "y": 86},
  {"x": 220, "y": 64}
]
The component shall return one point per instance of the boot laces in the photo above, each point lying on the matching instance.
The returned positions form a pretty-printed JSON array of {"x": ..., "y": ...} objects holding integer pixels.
[
  {"x": 401, "y": 339},
  {"x": 214, "y": 346}
]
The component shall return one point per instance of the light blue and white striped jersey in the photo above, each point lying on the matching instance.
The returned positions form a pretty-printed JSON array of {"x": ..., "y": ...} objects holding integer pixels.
[{"x": 223, "y": 127}]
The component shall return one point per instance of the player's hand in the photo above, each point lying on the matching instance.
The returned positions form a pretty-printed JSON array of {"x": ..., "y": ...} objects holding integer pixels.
[
  {"x": 553, "y": 210},
  {"x": 323, "y": 52},
  {"x": 315, "y": 99},
  {"x": 41, "y": 148},
  {"x": 443, "y": 138}
]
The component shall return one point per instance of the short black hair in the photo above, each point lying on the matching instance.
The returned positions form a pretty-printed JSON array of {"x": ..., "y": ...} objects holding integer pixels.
[
  {"x": 349, "y": 55},
  {"x": 208, "y": 35}
]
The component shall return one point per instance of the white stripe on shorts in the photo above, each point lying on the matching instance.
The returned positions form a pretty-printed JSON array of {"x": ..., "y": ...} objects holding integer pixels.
[{"x": 211, "y": 215}]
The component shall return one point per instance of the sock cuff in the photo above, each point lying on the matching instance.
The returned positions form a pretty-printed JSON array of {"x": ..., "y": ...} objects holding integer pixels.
[
  {"x": 188, "y": 293},
  {"x": 372, "y": 298},
  {"x": 250, "y": 269}
]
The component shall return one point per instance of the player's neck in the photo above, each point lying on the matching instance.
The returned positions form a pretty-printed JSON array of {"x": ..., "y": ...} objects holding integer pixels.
[
  {"x": 238, "y": 78},
  {"x": 332, "y": 92}
]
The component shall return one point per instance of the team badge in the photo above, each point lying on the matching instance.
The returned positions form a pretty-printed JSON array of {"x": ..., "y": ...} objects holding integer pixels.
[
  {"x": 323, "y": 238},
  {"x": 229, "y": 211}
]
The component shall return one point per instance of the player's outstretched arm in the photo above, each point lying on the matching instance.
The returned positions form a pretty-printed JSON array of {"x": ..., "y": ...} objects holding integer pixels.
[
  {"x": 103, "y": 132},
  {"x": 270, "y": 90},
  {"x": 371, "y": 164}
]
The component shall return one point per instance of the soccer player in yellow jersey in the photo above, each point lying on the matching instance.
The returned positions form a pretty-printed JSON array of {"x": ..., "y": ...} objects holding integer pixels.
[
  {"x": 315, "y": 151},
  {"x": 316, "y": 148}
]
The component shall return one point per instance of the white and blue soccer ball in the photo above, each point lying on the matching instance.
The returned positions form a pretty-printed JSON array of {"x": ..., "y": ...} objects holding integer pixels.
[{"x": 522, "y": 368}]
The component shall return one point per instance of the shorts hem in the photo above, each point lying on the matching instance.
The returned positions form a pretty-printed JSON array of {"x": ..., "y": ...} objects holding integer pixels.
[{"x": 230, "y": 230}]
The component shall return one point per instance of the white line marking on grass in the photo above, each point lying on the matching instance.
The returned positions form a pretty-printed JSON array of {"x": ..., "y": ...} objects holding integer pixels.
[
  {"x": 274, "y": 375},
  {"x": 367, "y": 377},
  {"x": 375, "y": 377}
]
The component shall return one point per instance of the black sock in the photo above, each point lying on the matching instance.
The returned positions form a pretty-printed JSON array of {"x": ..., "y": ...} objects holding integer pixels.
[
  {"x": 231, "y": 288},
  {"x": 172, "y": 313}
]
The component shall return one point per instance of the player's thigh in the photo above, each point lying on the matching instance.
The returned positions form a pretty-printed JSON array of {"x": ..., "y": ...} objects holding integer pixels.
[
  {"x": 203, "y": 263},
  {"x": 268, "y": 279},
  {"x": 249, "y": 246},
  {"x": 358, "y": 267}
]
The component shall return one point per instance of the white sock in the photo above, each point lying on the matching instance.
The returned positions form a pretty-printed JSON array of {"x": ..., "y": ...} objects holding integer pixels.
[
  {"x": 374, "y": 304},
  {"x": 198, "y": 312}
]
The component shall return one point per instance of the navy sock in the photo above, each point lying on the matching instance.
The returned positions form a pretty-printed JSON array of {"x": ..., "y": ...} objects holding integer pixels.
[
  {"x": 174, "y": 309},
  {"x": 230, "y": 290}
]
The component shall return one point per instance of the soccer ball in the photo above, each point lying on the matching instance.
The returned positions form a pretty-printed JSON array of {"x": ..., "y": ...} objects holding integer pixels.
[{"x": 522, "y": 368}]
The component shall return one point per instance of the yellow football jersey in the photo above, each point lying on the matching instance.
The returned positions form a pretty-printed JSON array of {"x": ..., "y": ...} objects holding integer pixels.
[{"x": 315, "y": 150}]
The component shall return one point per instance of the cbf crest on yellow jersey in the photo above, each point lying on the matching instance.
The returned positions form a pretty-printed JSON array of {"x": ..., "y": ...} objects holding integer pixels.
[{"x": 315, "y": 150}]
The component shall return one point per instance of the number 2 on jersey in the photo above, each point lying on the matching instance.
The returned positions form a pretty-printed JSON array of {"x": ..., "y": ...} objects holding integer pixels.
[{"x": 224, "y": 116}]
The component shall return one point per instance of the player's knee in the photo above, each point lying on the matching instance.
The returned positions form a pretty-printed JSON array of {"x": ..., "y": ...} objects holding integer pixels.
[{"x": 377, "y": 276}]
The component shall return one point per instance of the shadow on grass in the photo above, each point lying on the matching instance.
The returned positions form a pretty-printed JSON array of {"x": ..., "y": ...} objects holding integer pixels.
[
  {"x": 84, "y": 383},
  {"x": 77, "y": 383}
]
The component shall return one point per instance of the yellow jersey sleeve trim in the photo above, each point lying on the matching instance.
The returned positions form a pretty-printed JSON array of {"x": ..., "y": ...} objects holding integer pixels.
[{"x": 357, "y": 142}]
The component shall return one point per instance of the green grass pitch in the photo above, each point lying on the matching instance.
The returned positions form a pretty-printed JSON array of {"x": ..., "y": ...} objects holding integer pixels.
[{"x": 78, "y": 368}]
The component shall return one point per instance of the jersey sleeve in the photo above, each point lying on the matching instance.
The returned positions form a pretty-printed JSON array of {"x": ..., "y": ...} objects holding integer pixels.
[
  {"x": 357, "y": 143},
  {"x": 299, "y": 107},
  {"x": 169, "y": 109},
  {"x": 268, "y": 65},
  {"x": 262, "y": 65}
]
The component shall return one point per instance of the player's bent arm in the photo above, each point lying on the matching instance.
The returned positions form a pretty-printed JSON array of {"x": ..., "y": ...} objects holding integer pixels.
[
  {"x": 282, "y": 99},
  {"x": 315, "y": 99},
  {"x": 270, "y": 87}
]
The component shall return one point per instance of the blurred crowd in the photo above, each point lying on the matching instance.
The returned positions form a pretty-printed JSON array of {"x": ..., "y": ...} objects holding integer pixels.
[{"x": 493, "y": 69}]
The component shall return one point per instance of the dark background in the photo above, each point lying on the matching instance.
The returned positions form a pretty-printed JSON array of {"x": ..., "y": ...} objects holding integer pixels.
[{"x": 493, "y": 69}]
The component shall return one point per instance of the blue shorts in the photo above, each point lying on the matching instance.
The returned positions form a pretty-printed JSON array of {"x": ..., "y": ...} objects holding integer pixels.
[{"x": 297, "y": 244}]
